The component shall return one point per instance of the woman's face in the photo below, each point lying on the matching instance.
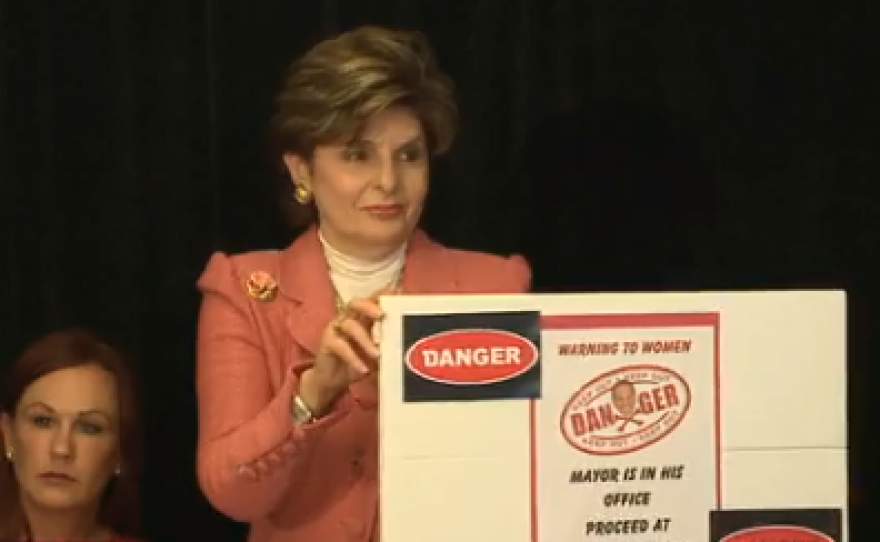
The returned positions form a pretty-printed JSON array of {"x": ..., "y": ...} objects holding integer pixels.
[
  {"x": 63, "y": 436},
  {"x": 369, "y": 192}
]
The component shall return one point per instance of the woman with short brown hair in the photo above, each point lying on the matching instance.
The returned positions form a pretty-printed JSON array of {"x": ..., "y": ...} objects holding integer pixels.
[
  {"x": 331, "y": 92},
  {"x": 71, "y": 437},
  {"x": 288, "y": 428}
]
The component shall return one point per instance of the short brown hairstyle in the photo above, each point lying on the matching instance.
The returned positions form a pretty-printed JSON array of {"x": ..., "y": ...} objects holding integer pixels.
[
  {"x": 336, "y": 86},
  {"x": 61, "y": 350}
]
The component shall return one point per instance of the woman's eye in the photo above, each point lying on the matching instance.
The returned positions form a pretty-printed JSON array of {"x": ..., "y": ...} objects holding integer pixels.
[
  {"x": 41, "y": 420},
  {"x": 412, "y": 155},
  {"x": 90, "y": 428},
  {"x": 355, "y": 155}
]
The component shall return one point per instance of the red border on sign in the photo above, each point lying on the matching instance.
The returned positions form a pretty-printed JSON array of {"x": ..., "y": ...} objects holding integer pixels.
[{"x": 631, "y": 321}]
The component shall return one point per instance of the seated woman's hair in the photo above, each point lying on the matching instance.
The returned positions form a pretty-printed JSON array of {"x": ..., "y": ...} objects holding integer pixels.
[
  {"x": 330, "y": 93},
  {"x": 68, "y": 349}
]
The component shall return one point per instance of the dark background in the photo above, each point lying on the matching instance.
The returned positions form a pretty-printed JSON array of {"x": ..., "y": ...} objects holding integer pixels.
[{"x": 620, "y": 145}]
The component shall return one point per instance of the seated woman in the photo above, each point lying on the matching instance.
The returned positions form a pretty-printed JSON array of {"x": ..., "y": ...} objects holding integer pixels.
[
  {"x": 71, "y": 439},
  {"x": 288, "y": 425}
]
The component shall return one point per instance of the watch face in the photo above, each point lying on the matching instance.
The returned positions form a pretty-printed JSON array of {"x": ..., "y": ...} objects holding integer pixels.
[{"x": 300, "y": 413}]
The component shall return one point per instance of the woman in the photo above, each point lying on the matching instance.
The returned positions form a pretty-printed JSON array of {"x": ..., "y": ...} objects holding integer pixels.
[
  {"x": 71, "y": 440},
  {"x": 288, "y": 437}
]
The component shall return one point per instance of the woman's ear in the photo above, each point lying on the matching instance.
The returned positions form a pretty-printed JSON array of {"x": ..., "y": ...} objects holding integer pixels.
[{"x": 299, "y": 170}]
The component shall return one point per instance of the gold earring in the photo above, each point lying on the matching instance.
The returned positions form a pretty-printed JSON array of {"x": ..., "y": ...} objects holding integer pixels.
[
  {"x": 118, "y": 471},
  {"x": 9, "y": 454},
  {"x": 302, "y": 194}
]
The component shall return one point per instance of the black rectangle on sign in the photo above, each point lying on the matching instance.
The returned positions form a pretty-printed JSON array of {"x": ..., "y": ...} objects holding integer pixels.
[
  {"x": 472, "y": 356},
  {"x": 781, "y": 525}
]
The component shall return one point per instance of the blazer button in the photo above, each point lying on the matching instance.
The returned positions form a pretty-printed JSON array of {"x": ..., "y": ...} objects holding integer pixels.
[
  {"x": 357, "y": 461},
  {"x": 247, "y": 472},
  {"x": 274, "y": 459}
]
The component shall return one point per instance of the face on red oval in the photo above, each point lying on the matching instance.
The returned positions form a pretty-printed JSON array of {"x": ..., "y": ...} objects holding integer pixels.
[
  {"x": 625, "y": 410},
  {"x": 777, "y": 533},
  {"x": 471, "y": 357}
]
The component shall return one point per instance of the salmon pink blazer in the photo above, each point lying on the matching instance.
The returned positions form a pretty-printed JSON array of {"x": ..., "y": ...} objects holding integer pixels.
[{"x": 301, "y": 483}]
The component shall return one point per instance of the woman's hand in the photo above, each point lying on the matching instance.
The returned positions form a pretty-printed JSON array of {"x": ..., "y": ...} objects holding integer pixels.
[{"x": 347, "y": 354}]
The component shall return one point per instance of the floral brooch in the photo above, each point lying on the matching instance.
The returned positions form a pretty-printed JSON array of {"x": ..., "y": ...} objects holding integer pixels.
[{"x": 261, "y": 286}]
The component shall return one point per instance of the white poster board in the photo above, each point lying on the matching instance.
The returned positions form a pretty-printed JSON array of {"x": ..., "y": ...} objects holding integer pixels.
[{"x": 614, "y": 417}]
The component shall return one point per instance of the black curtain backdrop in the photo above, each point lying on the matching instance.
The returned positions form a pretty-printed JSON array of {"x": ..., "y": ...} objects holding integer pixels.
[{"x": 620, "y": 145}]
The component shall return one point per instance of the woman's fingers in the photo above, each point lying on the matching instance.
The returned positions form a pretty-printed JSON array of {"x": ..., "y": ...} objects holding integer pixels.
[
  {"x": 340, "y": 348},
  {"x": 354, "y": 331},
  {"x": 365, "y": 309},
  {"x": 388, "y": 290},
  {"x": 353, "y": 341}
]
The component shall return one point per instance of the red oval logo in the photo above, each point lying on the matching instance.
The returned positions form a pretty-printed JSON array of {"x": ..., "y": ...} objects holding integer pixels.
[
  {"x": 470, "y": 357},
  {"x": 777, "y": 533},
  {"x": 625, "y": 410}
]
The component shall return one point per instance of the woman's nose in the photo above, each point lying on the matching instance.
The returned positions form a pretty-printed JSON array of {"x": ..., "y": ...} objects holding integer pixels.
[
  {"x": 62, "y": 443},
  {"x": 388, "y": 174}
]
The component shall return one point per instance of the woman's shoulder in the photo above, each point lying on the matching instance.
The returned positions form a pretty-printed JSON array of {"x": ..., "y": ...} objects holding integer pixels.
[
  {"x": 231, "y": 269},
  {"x": 263, "y": 266},
  {"x": 485, "y": 272},
  {"x": 477, "y": 259}
]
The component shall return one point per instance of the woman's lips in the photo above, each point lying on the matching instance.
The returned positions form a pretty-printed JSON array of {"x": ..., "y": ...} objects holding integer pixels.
[
  {"x": 384, "y": 211},
  {"x": 57, "y": 477}
]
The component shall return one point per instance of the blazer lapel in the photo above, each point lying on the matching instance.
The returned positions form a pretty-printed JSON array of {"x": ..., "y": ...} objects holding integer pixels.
[{"x": 305, "y": 280}]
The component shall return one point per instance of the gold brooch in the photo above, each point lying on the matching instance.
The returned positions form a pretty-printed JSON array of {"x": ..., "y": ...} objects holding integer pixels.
[{"x": 261, "y": 286}]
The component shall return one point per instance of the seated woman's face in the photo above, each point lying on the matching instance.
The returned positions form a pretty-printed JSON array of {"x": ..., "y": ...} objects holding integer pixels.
[
  {"x": 63, "y": 437},
  {"x": 370, "y": 191}
]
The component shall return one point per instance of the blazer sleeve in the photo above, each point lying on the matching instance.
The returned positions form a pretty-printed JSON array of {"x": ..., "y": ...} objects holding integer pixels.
[{"x": 249, "y": 449}]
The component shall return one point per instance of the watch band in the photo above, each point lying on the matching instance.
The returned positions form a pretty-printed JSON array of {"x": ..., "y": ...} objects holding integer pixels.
[{"x": 300, "y": 411}]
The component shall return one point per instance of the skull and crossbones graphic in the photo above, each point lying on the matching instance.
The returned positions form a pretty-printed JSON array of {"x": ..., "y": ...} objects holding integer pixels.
[{"x": 623, "y": 397}]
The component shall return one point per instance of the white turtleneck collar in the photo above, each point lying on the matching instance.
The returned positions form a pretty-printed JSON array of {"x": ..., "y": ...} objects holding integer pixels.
[{"x": 354, "y": 278}]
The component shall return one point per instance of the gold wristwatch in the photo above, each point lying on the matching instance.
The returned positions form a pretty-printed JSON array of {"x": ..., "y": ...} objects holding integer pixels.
[{"x": 300, "y": 411}]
